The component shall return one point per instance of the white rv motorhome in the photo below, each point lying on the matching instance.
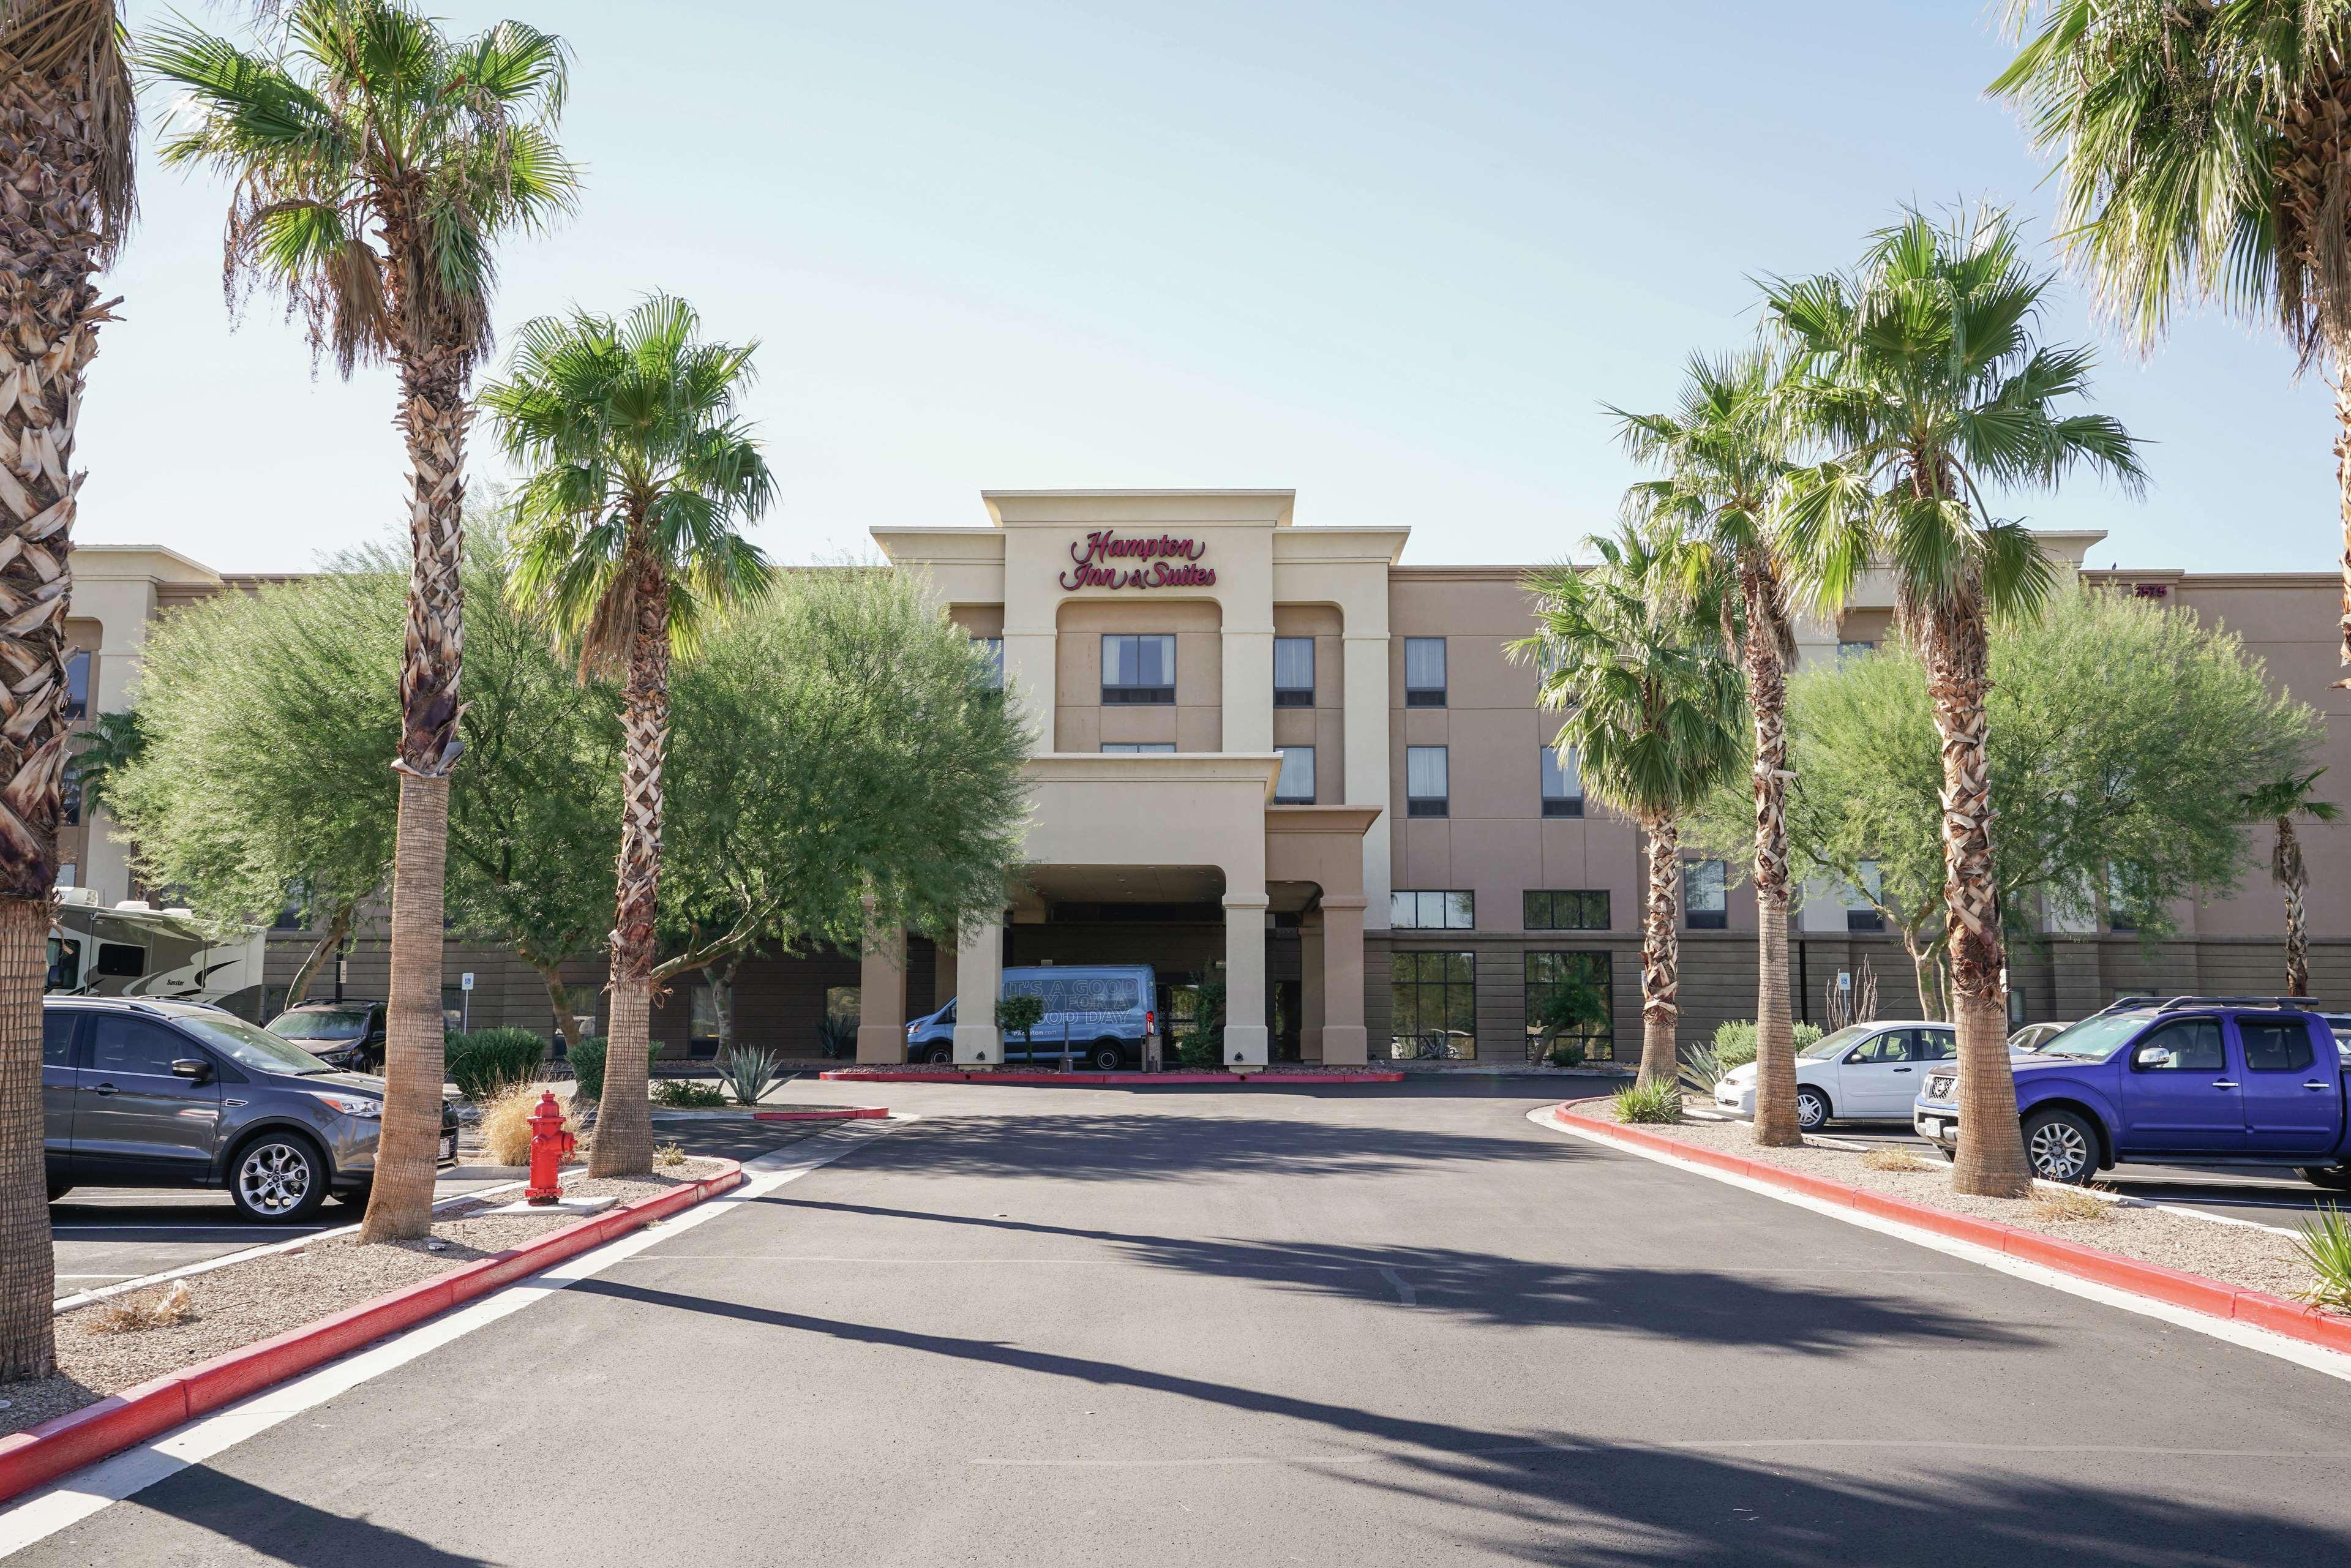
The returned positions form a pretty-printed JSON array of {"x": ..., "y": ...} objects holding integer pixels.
[{"x": 134, "y": 949}]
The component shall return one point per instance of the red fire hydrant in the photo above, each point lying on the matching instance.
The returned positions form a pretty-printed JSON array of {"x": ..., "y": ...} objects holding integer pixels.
[{"x": 548, "y": 1144}]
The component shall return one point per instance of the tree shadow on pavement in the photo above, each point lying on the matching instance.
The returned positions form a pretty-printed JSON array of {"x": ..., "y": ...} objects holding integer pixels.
[
  {"x": 1700, "y": 1305},
  {"x": 281, "y": 1529},
  {"x": 1622, "y": 1505},
  {"x": 1156, "y": 1146}
]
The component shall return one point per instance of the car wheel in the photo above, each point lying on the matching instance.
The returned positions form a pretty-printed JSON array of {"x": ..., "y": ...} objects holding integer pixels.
[
  {"x": 2061, "y": 1146},
  {"x": 939, "y": 1055},
  {"x": 1812, "y": 1109},
  {"x": 58, "y": 1189},
  {"x": 1106, "y": 1056},
  {"x": 278, "y": 1179},
  {"x": 2334, "y": 1178}
]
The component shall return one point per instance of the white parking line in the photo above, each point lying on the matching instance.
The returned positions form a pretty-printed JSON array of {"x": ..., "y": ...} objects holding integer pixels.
[{"x": 43, "y": 1513}]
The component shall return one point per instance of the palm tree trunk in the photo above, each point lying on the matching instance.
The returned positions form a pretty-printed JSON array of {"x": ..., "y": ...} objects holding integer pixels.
[
  {"x": 2341, "y": 357},
  {"x": 1775, "y": 1025},
  {"x": 432, "y": 417},
  {"x": 337, "y": 927},
  {"x": 625, "y": 1139},
  {"x": 1991, "y": 1162},
  {"x": 2297, "y": 939},
  {"x": 1661, "y": 953},
  {"x": 54, "y": 212}
]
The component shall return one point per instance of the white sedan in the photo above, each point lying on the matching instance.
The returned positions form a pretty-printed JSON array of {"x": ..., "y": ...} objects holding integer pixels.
[{"x": 1866, "y": 1071}]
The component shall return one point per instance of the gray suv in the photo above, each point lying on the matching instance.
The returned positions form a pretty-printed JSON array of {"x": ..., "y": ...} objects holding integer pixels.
[{"x": 174, "y": 1095}]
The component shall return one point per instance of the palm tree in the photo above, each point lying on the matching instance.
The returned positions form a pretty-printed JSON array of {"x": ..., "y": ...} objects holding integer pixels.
[
  {"x": 1643, "y": 667},
  {"x": 1920, "y": 375},
  {"x": 2279, "y": 802},
  {"x": 2204, "y": 148},
  {"x": 376, "y": 163},
  {"x": 66, "y": 112},
  {"x": 640, "y": 476},
  {"x": 1724, "y": 452}
]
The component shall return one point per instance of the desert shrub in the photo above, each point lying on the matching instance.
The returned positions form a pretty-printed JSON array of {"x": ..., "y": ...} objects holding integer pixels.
[
  {"x": 1807, "y": 1034},
  {"x": 1658, "y": 1102},
  {"x": 687, "y": 1094},
  {"x": 749, "y": 1073},
  {"x": 2072, "y": 1206},
  {"x": 669, "y": 1154},
  {"x": 1566, "y": 1054},
  {"x": 1734, "y": 1043},
  {"x": 1892, "y": 1159},
  {"x": 176, "y": 1303},
  {"x": 836, "y": 1038},
  {"x": 2324, "y": 1245},
  {"x": 505, "y": 1125},
  {"x": 586, "y": 1061},
  {"x": 489, "y": 1061}
]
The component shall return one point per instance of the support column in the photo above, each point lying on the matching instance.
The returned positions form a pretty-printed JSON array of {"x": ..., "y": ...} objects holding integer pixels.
[
  {"x": 882, "y": 998},
  {"x": 1248, "y": 688},
  {"x": 1244, "y": 1032},
  {"x": 979, "y": 984},
  {"x": 1365, "y": 696},
  {"x": 1310, "y": 988},
  {"x": 1345, "y": 1042}
]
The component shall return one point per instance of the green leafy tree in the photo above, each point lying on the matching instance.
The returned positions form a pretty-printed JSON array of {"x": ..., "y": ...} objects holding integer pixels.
[
  {"x": 2203, "y": 149},
  {"x": 639, "y": 478},
  {"x": 1722, "y": 455},
  {"x": 1920, "y": 376},
  {"x": 2124, "y": 743},
  {"x": 1638, "y": 654},
  {"x": 2279, "y": 802},
  {"x": 1021, "y": 1014},
  {"x": 112, "y": 742},
  {"x": 376, "y": 164}
]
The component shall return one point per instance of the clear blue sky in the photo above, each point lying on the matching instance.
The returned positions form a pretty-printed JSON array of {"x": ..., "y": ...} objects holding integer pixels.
[{"x": 1393, "y": 255}]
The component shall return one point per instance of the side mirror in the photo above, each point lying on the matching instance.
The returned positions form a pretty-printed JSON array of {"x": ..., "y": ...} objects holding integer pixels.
[
  {"x": 193, "y": 1071},
  {"x": 2155, "y": 1056}
]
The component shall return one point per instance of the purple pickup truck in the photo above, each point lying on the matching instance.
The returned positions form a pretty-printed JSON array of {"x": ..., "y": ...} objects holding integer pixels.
[{"x": 2190, "y": 1080}]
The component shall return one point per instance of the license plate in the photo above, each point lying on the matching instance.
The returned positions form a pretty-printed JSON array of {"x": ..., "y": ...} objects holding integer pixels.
[{"x": 1930, "y": 1127}]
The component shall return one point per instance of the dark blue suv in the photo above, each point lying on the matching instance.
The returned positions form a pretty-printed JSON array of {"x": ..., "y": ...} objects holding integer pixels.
[{"x": 2199, "y": 1081}]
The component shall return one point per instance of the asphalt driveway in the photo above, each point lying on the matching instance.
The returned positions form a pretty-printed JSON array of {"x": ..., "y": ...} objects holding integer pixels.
[{"x": 1329, "y": 1326}]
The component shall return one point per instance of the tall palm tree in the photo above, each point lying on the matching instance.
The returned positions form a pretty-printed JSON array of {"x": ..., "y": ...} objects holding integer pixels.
[
  {"x": 1724, "y": 452},
  {"x": 66, "y": 112},
  {"x": 1919, "y": 373},
  {"x": 2204, "y": 148},
  {"x": 640, "y": 476},
  {"x": 376, "y": 163},
  {"x": 1644, "y": 668},
  {"x": 2279, "y": 802}
]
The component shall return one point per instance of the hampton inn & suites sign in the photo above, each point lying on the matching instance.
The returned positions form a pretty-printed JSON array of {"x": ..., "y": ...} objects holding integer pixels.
[{"x": 1106, "y": 559}]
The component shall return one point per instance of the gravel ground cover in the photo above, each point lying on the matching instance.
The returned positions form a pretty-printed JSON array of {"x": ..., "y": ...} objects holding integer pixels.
[
  {"x": 250, "y": 1301},
  {"x": 2242, "y": 1255}
]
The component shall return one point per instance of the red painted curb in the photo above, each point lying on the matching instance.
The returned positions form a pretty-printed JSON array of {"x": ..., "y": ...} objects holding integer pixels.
[
  {"x": 41, "y": 1454},
  {"x": 851, "y": 1114},
  {"x": 2213, "y": 1298},
  {"x": 849, "y": 1075}
]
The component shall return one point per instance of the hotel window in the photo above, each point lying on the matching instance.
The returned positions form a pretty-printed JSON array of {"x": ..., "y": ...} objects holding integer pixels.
[
  {"x": 1139, "y": 669},
  {"x": 1546, "y": 973},
  {"x": 1564, "y": 909},
  {"x": 1293, "y": 671},
  {"x": 1424, "y": 786},
  {"x": 76, "y": 702},
  {"x": 1860, "y": 915},
  {"x": 1423, "y": 672},
  {"x": 1706, "y": 904},
  {"x": 69, "y": 794},
  {"x": 1433, "y": 911},
  {"x": 1132, "y": 748},
  {"x": 992, "y": 648},
  {"x": 1562, "y": 783},
  {"x": 1434, "y": 1006},
  {"x": 1295, "y": 787}
]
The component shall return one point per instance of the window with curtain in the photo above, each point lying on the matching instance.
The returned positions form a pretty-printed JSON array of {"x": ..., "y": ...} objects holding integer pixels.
[
  {"x": 1139, "y": 668},
  {"x": 992, "y": 648},
  {"x": 1426, "y": 787},
  {"x": 1423, "y": 672},
  {"x": 1562, "y": 783},
  {"x": 1295, "y": 787},
  {"x": 1705, "y": 897},
  {"x": 1293, "y": 671}
]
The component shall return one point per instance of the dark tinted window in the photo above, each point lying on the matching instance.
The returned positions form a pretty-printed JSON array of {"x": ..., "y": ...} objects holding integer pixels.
[
  {"x": 1933, "y": 1045},
  {"x": 121, "y": 961},
  {"x": 128, "y": 1045},
  {"x": 2191, "y": 1045},
  {"x": 57, "y": 1038},
  {"x": 2275, "y": 1045}
]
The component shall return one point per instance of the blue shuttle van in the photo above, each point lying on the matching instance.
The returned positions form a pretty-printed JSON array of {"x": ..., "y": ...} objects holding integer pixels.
[{"x": 1100, "y": 1010}]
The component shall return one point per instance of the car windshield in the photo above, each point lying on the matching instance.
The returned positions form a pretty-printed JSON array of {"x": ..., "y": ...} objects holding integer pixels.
[
  {"x": 250, "y": 1047},
  {"x": 1830, "y": 1044},
  {"x": 321, "y": 1023},
  {"x": 2093, "y": 1040}
]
